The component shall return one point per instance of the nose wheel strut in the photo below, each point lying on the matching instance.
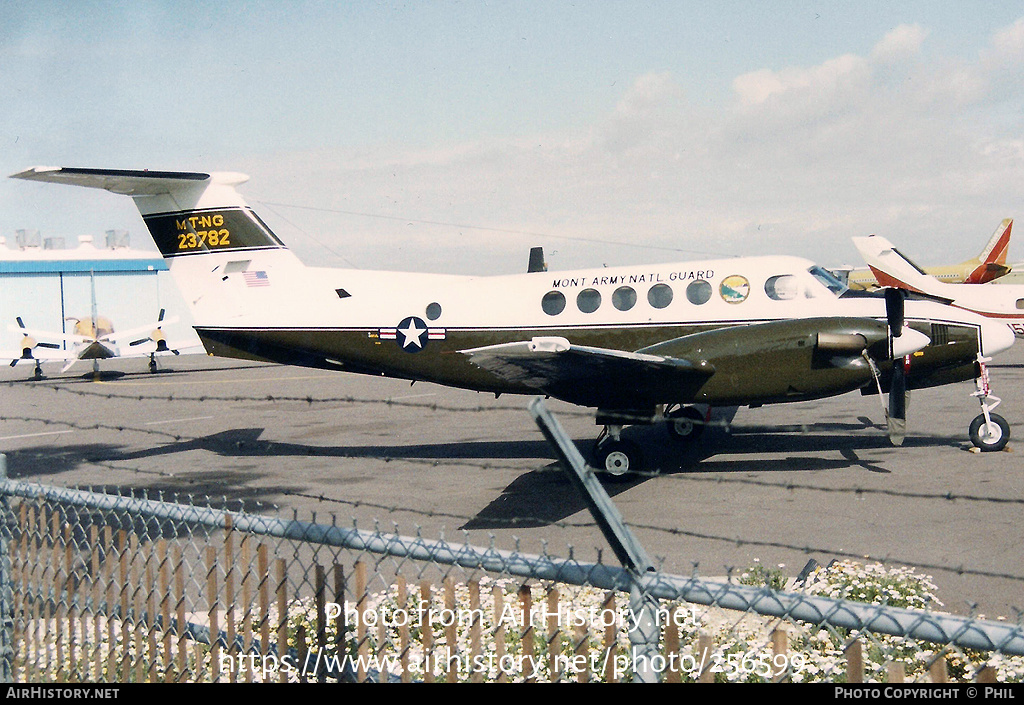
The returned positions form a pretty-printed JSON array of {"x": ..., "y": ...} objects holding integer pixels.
[{"x": 989, "y": 432}]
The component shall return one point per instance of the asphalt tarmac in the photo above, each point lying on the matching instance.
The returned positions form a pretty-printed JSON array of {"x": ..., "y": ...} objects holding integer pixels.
[{"x": 781, "y": 486}]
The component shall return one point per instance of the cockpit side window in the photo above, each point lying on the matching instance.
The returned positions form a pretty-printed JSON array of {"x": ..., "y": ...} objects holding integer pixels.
[{"x": 829, "y": 280}]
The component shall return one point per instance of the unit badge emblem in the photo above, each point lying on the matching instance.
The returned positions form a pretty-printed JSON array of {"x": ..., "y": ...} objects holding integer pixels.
[{"x": 734, "y": 289}]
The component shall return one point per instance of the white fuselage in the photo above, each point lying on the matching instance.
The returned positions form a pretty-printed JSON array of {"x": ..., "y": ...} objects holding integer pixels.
[{"x": 271, "y": 289}]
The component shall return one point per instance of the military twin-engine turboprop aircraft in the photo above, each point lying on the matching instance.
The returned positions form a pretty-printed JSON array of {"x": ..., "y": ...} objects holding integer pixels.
[{"x": 641, "y": 344}]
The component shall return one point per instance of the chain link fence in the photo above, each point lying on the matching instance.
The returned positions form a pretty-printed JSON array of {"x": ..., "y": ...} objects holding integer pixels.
[{"x": 106, "y": 588}]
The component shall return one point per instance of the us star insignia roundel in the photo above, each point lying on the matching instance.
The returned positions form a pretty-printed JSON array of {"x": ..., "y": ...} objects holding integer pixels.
[{"x": 412, "y": 334}]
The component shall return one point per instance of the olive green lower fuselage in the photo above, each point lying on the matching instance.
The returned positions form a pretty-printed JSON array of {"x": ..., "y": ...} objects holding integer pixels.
[{"x": 790, "y": 368}]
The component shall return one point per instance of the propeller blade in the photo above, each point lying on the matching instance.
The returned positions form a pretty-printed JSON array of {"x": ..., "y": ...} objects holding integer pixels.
[
  {"x": 902, "y": 342},
  {"x": 894, "y": 310},
  {"x": 897, "y": 417}
]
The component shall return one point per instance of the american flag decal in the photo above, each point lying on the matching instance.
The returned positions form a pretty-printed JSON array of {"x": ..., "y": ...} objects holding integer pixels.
[{"x": 256, "y": 278}]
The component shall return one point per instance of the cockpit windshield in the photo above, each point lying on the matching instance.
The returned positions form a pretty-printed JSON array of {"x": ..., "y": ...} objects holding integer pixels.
[{"x": 830, "y": 280}]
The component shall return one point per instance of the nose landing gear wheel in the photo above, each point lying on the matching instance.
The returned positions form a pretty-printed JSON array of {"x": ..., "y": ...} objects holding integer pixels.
[
  {"x": 992, "y": 435},
  {"x": 619, "y": 459},
  {"x": 989, "y": 431}
]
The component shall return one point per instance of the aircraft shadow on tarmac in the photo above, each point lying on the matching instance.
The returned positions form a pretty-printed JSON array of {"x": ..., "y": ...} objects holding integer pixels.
[
  {"x": 536, "y": 498},
  {"x": 231, "y": 487},
  {"x": 543, "y": 497}
]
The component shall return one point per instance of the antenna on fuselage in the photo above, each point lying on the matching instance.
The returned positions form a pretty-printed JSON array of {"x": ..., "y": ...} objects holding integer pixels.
[{"x": 537, "y": 263}]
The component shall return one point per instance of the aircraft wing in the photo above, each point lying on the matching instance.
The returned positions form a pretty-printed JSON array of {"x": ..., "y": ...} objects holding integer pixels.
[
  {"x": 119, "y": 337},
  {"x": 589, "y": 376},
  {"x": 675, "y": 370},
  {"x": 39, "y": 353},
  {"x": 145, "y": 348},
  {"x": 50, "y": 335}
]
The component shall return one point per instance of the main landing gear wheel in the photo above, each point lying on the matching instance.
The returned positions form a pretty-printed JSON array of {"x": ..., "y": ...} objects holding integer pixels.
[
  {"x": 992, "y": 435},
  {"x": 685, "y": 424},
  {"x": 619, "y": 459}
]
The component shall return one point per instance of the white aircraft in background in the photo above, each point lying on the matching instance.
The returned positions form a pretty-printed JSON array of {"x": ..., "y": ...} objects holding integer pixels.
[
  {"x": 92, "y": 338},
  {"x": 989, "y": 265},
  {"x": 1003, "y": 302},
  {"x": 640, "y": 343}
]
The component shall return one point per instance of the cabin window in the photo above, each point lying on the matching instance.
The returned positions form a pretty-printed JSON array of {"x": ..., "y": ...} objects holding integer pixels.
[
  {"x": 553, "y": 303},
  {"x": 698, "y": 292},
  {"x": 588, "y": 300},
  {"x": 782, "y": 288},
  {"x": 624, "y": 298},
  {"x": 433, "y": 311},
  {"x": 659, "y": 295},
  {"x": 1020, "y": 304}
]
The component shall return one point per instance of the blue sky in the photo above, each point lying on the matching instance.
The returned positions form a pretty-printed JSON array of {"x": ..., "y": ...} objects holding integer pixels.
[{"x": 453, "y": 136}]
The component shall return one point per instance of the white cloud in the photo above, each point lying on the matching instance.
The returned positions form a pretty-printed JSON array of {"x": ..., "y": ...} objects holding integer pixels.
[
  {"x": 842, "y": 76},
  {"x": 901, "y": 43},
  {"x": 1008, "y": 44}
]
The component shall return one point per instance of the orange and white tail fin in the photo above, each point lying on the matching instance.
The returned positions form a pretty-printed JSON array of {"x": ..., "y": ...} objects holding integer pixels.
[{"x": 991, "y": 263}]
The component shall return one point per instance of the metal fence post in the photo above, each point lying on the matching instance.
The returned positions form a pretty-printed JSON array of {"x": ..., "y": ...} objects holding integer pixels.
[
  {"x": 6, "y": 590},
  {"x": 643, "y": 627}
]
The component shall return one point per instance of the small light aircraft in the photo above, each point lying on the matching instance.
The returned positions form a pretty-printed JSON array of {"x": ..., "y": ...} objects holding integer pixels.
[
  {"x": 892, "y": 268},
  {"x": 640, "y": 344},
  {"x": 989, "y": 265},
  {"x": 92, "y": 338}
]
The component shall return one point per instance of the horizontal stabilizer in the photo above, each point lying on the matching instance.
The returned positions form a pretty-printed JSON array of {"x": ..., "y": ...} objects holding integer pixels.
[{"x": 128, "y": 182}]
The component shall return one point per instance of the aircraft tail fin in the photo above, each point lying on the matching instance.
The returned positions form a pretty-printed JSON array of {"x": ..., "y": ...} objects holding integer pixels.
[
  {"x": 226, "y": 261},
  {"x": 187, "y": 213},
  {"x": 894, "y": 269},
  {"x": 991, "y": 263}
]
